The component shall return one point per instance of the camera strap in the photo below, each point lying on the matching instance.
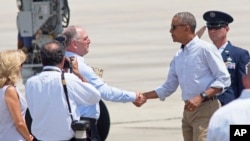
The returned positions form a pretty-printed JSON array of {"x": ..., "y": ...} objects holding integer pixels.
[
  {"x": 66, "y": 94},
  {"x": 51, "y": 70}
]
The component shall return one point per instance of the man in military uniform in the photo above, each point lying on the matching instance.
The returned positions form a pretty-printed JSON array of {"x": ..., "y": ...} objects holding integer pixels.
[{"x": 235, "y": 58}]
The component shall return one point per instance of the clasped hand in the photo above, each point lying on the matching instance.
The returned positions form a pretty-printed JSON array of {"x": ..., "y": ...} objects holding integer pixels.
[{"x": 140, "y": 99}]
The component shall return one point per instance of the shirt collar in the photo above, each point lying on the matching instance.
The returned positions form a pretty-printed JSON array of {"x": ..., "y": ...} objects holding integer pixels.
[
  {"x": 189, "y": 46},
  {"x": 221, "y": 49},
  {"x": 68, "y": 53},
  {"x": 51, "y": 67}
]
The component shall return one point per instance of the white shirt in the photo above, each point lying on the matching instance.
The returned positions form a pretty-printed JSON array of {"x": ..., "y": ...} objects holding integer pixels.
[
  {"x": 235, "y": 112},
  {"x": 8, "y": 130},
  {"x": 48, "y": 106},
  {"x": 195, "y": 68},
  {"x": 221, "y": 49},
  {"x": 107, "y": 92}
]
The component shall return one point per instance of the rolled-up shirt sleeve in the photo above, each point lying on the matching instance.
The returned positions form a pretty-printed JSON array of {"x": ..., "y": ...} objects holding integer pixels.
[
  {"x": 218, "y": 68},
  {"x": 170, "y": 85},
  {"x": 195, "y": 68}
]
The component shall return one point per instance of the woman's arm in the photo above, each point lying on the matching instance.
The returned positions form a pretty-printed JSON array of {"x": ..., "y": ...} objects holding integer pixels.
[{"x": 12, "y": 101}]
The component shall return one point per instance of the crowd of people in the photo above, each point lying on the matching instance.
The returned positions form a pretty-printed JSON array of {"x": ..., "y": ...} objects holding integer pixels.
[{"x": 214, "y": 79}]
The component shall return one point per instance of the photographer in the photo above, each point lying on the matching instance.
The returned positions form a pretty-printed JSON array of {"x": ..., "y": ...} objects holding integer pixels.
[{"x": 47, "y": 100}]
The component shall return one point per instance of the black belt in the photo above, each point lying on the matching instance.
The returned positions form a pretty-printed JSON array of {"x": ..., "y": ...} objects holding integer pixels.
[
  {"x": 210, "y": 98},
  {"x": 92, "y": 120}
]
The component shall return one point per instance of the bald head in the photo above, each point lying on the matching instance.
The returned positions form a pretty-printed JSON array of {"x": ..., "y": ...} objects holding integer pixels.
[{"x": 52, "y": 53}]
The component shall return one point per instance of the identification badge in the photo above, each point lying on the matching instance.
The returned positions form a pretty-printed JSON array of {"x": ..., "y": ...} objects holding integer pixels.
[{"x": 230, "y": 65}]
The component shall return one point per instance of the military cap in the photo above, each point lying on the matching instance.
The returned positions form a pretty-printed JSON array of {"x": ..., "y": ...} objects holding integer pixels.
[{"x": 217, "y": 19}]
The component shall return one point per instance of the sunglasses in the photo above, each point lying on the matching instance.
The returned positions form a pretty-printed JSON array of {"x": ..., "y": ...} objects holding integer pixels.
[
  {"x": 215, "y": 27},
  {"x": 173, "y": 27}
]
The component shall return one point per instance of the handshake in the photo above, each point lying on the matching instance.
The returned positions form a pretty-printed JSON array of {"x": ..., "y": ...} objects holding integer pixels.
[{"x": 140, "y": 99}]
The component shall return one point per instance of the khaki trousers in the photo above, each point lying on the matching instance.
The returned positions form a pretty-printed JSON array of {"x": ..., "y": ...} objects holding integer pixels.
[{"x": 195, "y": 124}]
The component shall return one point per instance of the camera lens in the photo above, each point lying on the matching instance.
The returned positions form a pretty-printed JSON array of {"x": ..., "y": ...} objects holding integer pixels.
[{"x": 66, "y": 64}]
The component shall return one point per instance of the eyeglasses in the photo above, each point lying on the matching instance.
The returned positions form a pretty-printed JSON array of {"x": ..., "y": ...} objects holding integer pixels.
[{"x": 173, "y": 27}]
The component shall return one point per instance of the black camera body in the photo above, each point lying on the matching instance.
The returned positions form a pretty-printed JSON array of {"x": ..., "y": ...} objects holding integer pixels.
[
  {"x": 68, "y": 64},
  {"x": 80, "y": 127},
  {"x": 62, "y": 39}
]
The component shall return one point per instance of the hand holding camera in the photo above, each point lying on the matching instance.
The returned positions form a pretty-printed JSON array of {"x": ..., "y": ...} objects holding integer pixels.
[
  {"x": 68, "y": 62},
  {"x": 72, "y": 64}
]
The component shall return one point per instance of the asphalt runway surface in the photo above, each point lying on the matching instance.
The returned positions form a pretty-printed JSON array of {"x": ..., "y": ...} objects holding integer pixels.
[{"x": 132, "y": 43}]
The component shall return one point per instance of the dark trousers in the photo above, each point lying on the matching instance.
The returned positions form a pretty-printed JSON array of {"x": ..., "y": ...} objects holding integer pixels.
[{"x": 92, "y": 132}]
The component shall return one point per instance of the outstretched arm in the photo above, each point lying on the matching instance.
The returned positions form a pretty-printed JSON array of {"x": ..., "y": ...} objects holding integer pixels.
[
  {"x": 142, "y": 97},
  {"x": 201, "y": 31}
]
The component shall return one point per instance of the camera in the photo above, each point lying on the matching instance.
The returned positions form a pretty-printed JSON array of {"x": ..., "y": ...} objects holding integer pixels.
[
  {"x": 80, "y": 127},
  {"x": 62, "y": 39},
  {"x": 68, "y": 64}
]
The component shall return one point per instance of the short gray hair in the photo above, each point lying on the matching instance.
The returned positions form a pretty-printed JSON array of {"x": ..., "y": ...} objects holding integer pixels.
[
  {"x": 188, "y": 19},
  {"x": 71, "y": 34}
]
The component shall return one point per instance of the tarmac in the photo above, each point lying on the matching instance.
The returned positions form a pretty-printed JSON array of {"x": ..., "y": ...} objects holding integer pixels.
[{"x": 132, "y": 43}]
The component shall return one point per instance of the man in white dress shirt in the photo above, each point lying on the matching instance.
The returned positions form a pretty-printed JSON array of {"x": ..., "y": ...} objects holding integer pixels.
[
  {"x": 77, "y": 44},
  {"x": 46, "y": 97},
  {"x": 236, "y": 112},
  {"x": 200, "y": 71}
]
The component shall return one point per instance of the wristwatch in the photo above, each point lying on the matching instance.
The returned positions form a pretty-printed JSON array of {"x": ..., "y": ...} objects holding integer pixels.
[{"x": 204, "y": 95}]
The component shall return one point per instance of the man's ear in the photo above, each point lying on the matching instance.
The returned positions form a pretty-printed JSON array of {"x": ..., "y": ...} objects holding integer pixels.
[{"x": 227, "y": 28}]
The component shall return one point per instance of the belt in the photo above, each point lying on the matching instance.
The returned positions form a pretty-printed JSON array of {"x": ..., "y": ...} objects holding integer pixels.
[
  {"x": 210, "y": 98},
  {"x": 92, "y": 120}
]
